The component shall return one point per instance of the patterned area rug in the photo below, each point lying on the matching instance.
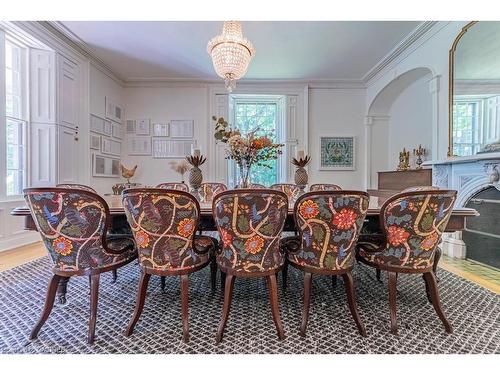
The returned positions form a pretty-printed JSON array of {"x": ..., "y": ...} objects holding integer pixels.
[{"x": 473, "y": 312}]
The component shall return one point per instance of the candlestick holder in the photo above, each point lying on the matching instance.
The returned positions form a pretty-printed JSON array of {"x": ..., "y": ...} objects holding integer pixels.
[
  {"x": 404, "y": 160},
  {"x": 419, "y": 152},
  {"x": 195, "y": 175},
  {"x": 301, "y": 178}
]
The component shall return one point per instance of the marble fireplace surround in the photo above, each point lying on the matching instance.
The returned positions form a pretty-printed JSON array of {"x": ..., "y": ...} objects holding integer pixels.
[{"x": 468, "y": 175}]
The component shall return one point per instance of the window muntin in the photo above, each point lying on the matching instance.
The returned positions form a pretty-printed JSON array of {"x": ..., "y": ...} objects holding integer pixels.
[{"x": 466, "y": 128}]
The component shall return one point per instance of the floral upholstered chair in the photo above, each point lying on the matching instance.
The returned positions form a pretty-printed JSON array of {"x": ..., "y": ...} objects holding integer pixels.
[
  {"x": 257, "y": 186},
  {"x": 173, "y": 185},
  {"x": 420, "y": 188},
  {"x": 329, "y": 223},
  {"x": 73, "y": 224},
  {"x": 208, "y": 190},
  {"x": 413, "y": 223},
  {"x": 321, "y": 187},
  {"x": 250, "y": 223},
  {"x": 292, "y": 191},
  {"x": 163, "y": 223},
  {"x": 76, "y": 186}
]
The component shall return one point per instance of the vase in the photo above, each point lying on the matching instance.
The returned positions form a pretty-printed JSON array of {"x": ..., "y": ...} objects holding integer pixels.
[
  {"x": 301, "y": 177},
  {"x": 195, "y": 179},
  {"x": 244, "y": 177}
]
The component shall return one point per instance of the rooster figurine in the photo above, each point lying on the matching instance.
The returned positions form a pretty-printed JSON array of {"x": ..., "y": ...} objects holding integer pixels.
[{"x": 127, "y": 173}]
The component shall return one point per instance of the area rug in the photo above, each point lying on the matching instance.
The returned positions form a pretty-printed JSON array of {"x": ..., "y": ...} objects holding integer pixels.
[{"x": 472, "y": 311}]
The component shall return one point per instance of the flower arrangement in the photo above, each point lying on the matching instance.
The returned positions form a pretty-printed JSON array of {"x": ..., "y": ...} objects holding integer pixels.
[
  {"x": 180, "y": 167},
  {"x": 246, "y": 150}
]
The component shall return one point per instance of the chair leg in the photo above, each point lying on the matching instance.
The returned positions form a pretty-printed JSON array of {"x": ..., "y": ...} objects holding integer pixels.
[
  {"x": 228, "y": 296},
  {"x": 307, "y": 302},
  {"x": 392, "y": 301},
  {"x": 163, "y": 282},
  {"x": 378, "y": 273},
  {"x": 284, "y": 275},
  {"x": 185, "y": 307},
  {"x": 351, "y": 298},
  {"x": 139, "y": 304},
  {"x": 431, "y": 282},
  {"x": 273, "y": 297},
  {"x": 222, "y": 281},
  {"x": 437, "y": 257},
  {"x": 427, "y": 290},
  {"x": 115, "y": 276},
  {"x": 47, "y": 308},
  {"x": 94, "y": 297},
  {"x": 62, "y": 289},
  {"x": 213, "y": 274}
]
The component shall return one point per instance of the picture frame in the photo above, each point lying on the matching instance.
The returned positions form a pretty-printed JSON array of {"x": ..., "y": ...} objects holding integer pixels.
[
  {"x": 110, "y": 146},
  {"x": 337, "y": 153},
  {"x": 117, "y": 130},
  {"x": 95, "y": 141},
  {"x": 130, "y": 126},
  {"x": 160, "y": 130},
  {"x": 164, "y": 148},
  {"x": 104, "y": 166},
  {"x": 182, "y": 128},
  {"x": 114, "y": 111},
  {"x": 139, "y": 146},
  {"x": 143, "y": 126}
]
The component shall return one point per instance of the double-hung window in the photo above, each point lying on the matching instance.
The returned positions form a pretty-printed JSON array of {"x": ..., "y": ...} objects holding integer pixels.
[
  {"x": 467, "y": 127},
  {"x": 16, "y": 118}
]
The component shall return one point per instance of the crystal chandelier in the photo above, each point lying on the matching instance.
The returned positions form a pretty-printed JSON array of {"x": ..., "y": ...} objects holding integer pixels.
[{"x": 231, "y": 53}]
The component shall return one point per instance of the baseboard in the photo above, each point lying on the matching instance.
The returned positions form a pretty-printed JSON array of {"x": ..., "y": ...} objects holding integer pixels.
[{"x": 19, "y": 240}]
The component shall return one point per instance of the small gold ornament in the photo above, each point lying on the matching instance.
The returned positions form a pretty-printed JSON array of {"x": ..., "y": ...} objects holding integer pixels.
[
  {"x": 419, "y": 152},
  {"x": 404, "y": 160}
]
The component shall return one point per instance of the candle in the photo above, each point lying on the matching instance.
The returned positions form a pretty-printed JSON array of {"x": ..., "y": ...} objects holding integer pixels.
[
  {"x": 196, "y": 152},
  {"x": 300, "y": 154}
]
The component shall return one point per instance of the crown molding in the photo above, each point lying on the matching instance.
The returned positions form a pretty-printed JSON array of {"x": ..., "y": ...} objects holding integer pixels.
[
  {"x": 57, "y": 30},
  {"x": 399, "y": 49}
]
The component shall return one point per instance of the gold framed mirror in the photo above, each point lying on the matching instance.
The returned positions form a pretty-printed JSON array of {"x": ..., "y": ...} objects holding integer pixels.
[{"x": 474, "y": 90}]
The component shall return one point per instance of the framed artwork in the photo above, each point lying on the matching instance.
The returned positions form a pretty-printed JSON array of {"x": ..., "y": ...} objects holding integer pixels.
[
  {"x": 337, "y": 153},
  {"x": 95, "y": 141},
  {"x": 142, "y": 127},
  {"x": 108, "y": 128},
  {"x": 168, "y": 148},
  {"x": 160, "y": 130},
  {"x": 139, "y": 145},
  {"x": 182, "y": 128},
  {"x": 130, "y": 126},
  {"x": 104, "y": 166},
  {"x": 110, "y": 146},
  {"x": 113, "y": 111},
  {"x": 117, "y": 130}
]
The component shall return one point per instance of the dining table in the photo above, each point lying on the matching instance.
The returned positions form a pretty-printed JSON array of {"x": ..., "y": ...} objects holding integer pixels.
[{"x": 118, "y": 223}]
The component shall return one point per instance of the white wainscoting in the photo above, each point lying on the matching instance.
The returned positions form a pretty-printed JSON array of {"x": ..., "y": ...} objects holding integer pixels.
[{"x": 11, "y": 233}]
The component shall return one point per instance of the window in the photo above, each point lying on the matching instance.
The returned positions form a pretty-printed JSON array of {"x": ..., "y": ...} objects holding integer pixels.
[
  {"x": 262, "y": 113},
  {"x": 466, "y": 129},
  {"x": 15, "y": 117}
]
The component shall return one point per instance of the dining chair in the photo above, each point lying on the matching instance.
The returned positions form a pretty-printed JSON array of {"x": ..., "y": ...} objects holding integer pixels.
[
  {"x": 250, "y": 222},
  {"x": 173, "y": 185},
  {"x": 163, "y": 223},
  {"x": 413, "y": 224},
  {"x": 257, "y": 186},
  {"x": 76, "y": 186},
  {"x": 329, "y": 223},
  {"x": 419, "y": 188},
  {"x": 208, "y": 190},
  {"x": 73, "y": 224},
  {"x": 321, "y": 187},
  {"x": 292, "y": 191}
]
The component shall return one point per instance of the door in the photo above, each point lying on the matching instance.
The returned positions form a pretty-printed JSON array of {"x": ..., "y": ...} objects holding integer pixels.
[{"x": 68, "y": 151}]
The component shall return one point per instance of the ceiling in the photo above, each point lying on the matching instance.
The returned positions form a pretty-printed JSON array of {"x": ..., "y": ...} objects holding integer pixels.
[{"x": 340, "y": 50}]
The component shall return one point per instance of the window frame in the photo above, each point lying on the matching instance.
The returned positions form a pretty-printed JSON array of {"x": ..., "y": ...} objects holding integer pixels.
[
  {"x": 24, "y": 114},
  {"x": 479, "y": 140}
]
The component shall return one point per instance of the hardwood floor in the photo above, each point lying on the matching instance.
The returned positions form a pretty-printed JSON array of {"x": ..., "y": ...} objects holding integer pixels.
[{"x": 478, "y": 273}]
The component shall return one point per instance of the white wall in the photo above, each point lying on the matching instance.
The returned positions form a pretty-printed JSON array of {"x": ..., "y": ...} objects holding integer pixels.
[
  {"x": 337, "y": 112},
  {"x": 100, "y": 87},
  {"x": 162, "y": 104},
  {"x": 410, "y": 121}
]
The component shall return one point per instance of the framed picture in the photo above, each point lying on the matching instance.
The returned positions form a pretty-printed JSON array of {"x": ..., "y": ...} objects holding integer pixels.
[
  {"x": 337, "y": 153},
  {"x": 117, "y": 130},
  {"x": 113, "y": 111},
  {"x": 111, "y": 147},
  {"x": 97, "y": 124},
  {"x": 130, "y": 126},
  {"x": 168, "y": 148},
  {"x": 182, "y": 128},
  {"x": 142, "y": 127},
  {"x": 139, "y": 145},
  {"x": 160, "y": 130},
  {"x": 95, "y": 141},
  {"x": 108, "y": 128},
  {"x": 104, "y": 166}
]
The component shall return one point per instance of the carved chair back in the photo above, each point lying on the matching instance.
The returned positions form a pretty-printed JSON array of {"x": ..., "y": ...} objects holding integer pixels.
[
  {"x": 413, "y": 223},
  {"x": 419, "y": 188},
  {"x": 173, "y": 186},
  {"x": 73, "y": 225},
  {"x": 321, "y": 187},
  {"x": 291, "y": 190},
  {"x": 208, "y": 190},
  {"x": 257, "y": 186},
  {"x": 250, "y": 222},
  {"x": 163, "y": 223},
  {"x": 76, "y": 186},
  {"x": 329, "y": 224}
]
